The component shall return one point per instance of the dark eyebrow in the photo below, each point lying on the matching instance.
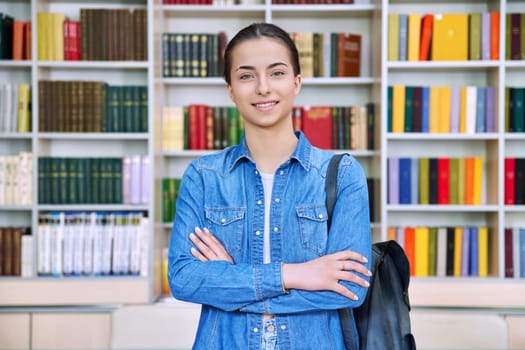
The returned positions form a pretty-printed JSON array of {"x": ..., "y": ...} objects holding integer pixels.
[{"x": 273, "y": 65}]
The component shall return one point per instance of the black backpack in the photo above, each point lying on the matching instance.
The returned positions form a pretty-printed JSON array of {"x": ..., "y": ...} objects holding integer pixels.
[{"x": 383, "y": 320}]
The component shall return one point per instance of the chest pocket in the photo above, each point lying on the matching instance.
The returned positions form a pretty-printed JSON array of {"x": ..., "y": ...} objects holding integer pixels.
[
  {"x": 313, "y": 226},
  {"x": 227, "y": 225}
]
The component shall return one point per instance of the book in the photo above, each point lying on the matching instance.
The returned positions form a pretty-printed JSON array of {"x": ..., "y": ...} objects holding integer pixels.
[
  {"x": 348, "y": 55},
  {"x": 414, "y": 30},
  {"x": 426, "y": 37},
  {"x": 403, "y": 36},
  {"x": 317, "y": 125},
  {"x": 509, "y": 182},
  {"x": 475, "y": 36},
  {"x": 422, "y": 252},
  {"x": 450, "y": 37},
  {"x": 393, "y": 180},
  {"x": 398, "y": 108},
  {"x": 393, "y": 37}
]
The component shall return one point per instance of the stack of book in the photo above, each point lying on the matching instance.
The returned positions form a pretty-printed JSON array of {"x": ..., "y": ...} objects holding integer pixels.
[
  {"x": 16, "y": 179},
  {"x": 15, "y": 251}
]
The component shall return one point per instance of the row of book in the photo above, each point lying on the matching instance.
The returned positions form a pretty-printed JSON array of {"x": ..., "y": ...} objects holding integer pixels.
[
  {"x": 213, "y": 2},
  {"x": 100, "y": 34},
  {"x": 337, "y": 127},
  {"x": 435, "y": 180},
  {"x": 92, "y": 244},
  {"x": 515, "y": 109},
  {"x": 514, "y": 248},
  {"x": 441, "y": 109},
  {"x": 16, "y": 179},
  {"x": 445, "y": 251},
  {"x": 514, "y": 193},
  {"x": 15, "y": 251},
  {"x": 15, "y": 38},
  {"x": 15, "y": 107},
  {"x": 123, "y": 180},
  {"x": 443, "y": 37},
  {"x": 91, "y": 106},
  {"x": 312, "y": 2}
]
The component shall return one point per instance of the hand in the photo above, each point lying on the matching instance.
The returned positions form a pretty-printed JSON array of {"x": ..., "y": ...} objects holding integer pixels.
[
  {"x": 208, "y": 246},
  {"x": 324, "y": 273}
]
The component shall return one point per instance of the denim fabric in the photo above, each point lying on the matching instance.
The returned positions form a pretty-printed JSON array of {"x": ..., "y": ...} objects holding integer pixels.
[{"x": 224, "y": 192}]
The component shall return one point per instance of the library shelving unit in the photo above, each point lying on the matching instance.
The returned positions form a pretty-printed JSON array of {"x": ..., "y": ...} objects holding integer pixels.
[
  {"x": 38, "y": 291},
  {"x": 493, "y": 147}
]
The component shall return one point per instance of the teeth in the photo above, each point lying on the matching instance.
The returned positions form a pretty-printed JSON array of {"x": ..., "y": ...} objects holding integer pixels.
[{"x": 268, "y": 104}]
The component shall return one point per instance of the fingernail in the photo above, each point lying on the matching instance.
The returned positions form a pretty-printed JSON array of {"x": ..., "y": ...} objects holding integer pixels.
[
  {"x": 206, "y": 230},
  {"x": 367, "y": 284},
  {"x": 365, "y": 259},
  {"x": 197, "y": 229},
  {"x": 193, "y": 250},
  {"x": 369, "y": 273},
  {"x": 192, "y": 235},
  {"x": 356, "y": 297}
]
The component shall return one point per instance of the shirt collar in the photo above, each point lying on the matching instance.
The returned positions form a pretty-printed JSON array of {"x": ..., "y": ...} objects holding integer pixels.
[{"x": 302, "y": 153}]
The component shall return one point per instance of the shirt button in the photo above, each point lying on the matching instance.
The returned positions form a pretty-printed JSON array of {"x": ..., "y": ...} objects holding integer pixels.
[
  {"x": 223, "y": 220},
  {"x": 283, "y": 327},
  {"x": 259, "y": 202},
  {"x": 321, "y": 216},
  {"x": 276, "y": 229},
  {"x": 277, "y": 200},
  {"x": 256, "y": 172},
  {"x": 257, "y": 233},
  {"x": 281, "y": 172},
  {"x": 255, "y": 330}
]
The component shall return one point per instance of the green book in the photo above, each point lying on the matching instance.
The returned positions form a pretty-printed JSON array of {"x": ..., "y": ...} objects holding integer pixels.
[
  {"x": 453, "y": 181},
  {"x": 82, "y": 179},
  {"x": 507, "y": 36},
  {"x": 113, "y": 101},
  {"x": 166, "y": 200},
  {"x": 408, "y": 108},
  {"x": 63, "y": 177},
  {"x": 461, "y": 180},
  {"x": 519, "y": 112},
  {"x": 333, "y": 55},
  {"x": 424, "y": 173},
  {"x": 115, "y": 182},
  {"x": 73, "y": 177},
  {"x": 44, "y": 180},
  {"x": 94, "y": 181},
  {"x": 143, "y": 107},
  {"x": 129, "y": 121},
  {"x": 432, "y": 251},
  {"x": 389, "y": 108},
  {"x": 233, "y": 126},
  {"x": 475, "y": 36}
]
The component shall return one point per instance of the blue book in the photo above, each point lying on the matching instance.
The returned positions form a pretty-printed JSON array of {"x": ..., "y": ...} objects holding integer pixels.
[
  {"x": 403, "y": 36},
  {"x": 474, "y": 252},
  {"x": 425, "y": 108},
  {"x": 404, "y": 181},
  {"x": 522, "y": 252},
  {"x": 414, "y": 181},
  {"x": 480, "y": 109},
  {"x": 393, "y": 180},
  {"x": 465, "y": 251},
  {"x": 455, "y": 99},
  {"x": 490, "y": 108}
]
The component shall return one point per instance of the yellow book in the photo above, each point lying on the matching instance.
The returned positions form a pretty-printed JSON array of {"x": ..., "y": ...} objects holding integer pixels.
[
  {"x": 434, "y": 109},
  {"x": 43, "y": 40},
  {"x": 24, "y": 114},
  {"x": 444, "y": 109},
  {"x": 57, "y": 40},
  {"x": 478, "y": 180},
  {"x": 414, "y": 31},
  {"x": 424, "y": 176},
  {"x": 483, "y": 251},
  {"x": 461, "y": 181},
  {"x": 458, "y": 242},
  {"x": 398, "y": 108},
  {"x": 422, "y": 251},
  {"x": 393, "y": 37},
  {"x": 172, "y": 128},
  {"x": 463, "y": 110},
  {"x": 475, "y": 36},
  {"x": 450, "y": 37}
]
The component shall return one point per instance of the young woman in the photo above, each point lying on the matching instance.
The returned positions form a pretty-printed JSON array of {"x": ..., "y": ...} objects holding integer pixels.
[{"x": 249, "y": 239}]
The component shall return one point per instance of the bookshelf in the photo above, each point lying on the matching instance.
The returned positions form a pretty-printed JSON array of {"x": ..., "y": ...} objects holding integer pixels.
[
  {"x": 368, "y": 18},
  {"x": 88, "y": 289}
]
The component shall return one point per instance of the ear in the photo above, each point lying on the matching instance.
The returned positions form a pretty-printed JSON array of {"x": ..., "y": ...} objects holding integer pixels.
[
  {"x": 298, "y": 83},
  {"x": 230, "y": 92}
]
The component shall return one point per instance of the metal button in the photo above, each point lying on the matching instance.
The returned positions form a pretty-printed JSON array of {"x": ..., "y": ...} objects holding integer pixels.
[
  {"x": 281, "y": 172},
  {"x": 257, "y": 233},
  {"x": 223, "y": 220},
  {"x": 321, "y": 216},
  {"x": 259, "y": 202},
  {"x": 255, "y": 330},
  {"x": 276, "y": 229},
  {"x": 277, "y": 200}
]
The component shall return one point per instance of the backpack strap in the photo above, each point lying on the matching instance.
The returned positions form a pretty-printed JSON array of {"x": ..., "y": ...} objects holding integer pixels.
[{"x": 331, "y": 185}]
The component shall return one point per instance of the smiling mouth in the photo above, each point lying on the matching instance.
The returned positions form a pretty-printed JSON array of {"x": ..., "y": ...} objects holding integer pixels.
[{"x": 265, "y": 105}]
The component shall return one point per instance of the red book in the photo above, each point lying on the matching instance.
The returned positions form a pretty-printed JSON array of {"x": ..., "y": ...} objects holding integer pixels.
[
  {"x": 410, "y": 248},
  {"x": 18, "y": 40},
  {"x": 510, "y": 176},
  {"x": 348, "y": 55},
  {"x": 515, "y": 35},
  {"x": 509, "y": 259},
  {"x": 443, "y": 181},
  {"x": 426, "y": 37},
  {"x": 494, "y": 35},
  {"x": 317, "y": 125},
  {"x": 27, "y": 40},
  {"x": 71, "y": 40}
]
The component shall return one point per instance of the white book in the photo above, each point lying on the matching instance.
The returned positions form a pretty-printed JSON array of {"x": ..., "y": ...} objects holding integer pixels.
[
  {"x": 69, "y": 245},
  {"x": 3, "y": 175},
  {"x": 10, "y": 179},
  {"x": 107, "y": 249},
  {"x": 126, "y": 180},
  {"x": 27, "y": 256},
  {"x": 78, "y": 244},
  {"x": 118, "y": 237},
  {"x": 125, "y": 244},
  {"x": 144, "y": 244},
  {"x": 3, "y": 121},
  {"x": 471, "y": 101},
  {"x": 24, "y": 188},
  {"x": 98, "y": 243},
  {"x": 44, "y": 245},
  {"x": 135, "y": 243},
  {"x": 145, "y": 178},
  {"x": 135, "y": 179},
  {"x": 7, "y": 107},
  {"x": 57, "y": 240},
  {"x": 13, "y": 127},
  {"x": 90, "y": 225},
  {"x": 441, "y": 264}
]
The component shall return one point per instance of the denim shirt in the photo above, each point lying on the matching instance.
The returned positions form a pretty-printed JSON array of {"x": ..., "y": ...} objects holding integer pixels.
[{"x": 224, "y": 192}]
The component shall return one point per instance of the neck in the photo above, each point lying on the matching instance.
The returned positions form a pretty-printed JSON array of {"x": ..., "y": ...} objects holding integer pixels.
[{"x": 269, "y": 149}]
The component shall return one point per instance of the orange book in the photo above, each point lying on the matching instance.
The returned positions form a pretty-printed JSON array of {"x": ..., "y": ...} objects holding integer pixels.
[
  {"x": 410, "y": 248},
  {"x": 18, "y": 40},
  {"x": 469, "y": 180},
  {"x": 458, "y": 249},
  {"x": 494, "y": 35},
  {"x": 426, "y": 36},
  {"x": 478, "y": 181}
]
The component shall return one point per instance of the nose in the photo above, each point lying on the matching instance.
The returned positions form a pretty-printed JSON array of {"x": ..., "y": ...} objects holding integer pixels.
[{"x": 263, "y": 86}]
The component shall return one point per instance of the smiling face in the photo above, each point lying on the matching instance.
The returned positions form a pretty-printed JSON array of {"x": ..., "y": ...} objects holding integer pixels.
[{"x": 263, "y": 83}]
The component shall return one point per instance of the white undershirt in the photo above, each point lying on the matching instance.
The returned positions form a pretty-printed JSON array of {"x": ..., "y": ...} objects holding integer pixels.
[{"x": 267, "y": 180}]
